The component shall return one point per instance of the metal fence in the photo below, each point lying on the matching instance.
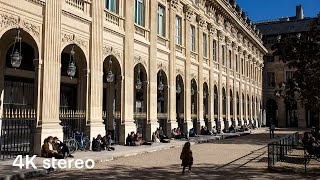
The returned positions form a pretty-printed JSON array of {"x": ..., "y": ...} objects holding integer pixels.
[
  {"x": 17, "y": 132},
  {"x": 112, "y": 127},
  {"x": 72, "y": 121},
  {"x": 287, "y": 154}
]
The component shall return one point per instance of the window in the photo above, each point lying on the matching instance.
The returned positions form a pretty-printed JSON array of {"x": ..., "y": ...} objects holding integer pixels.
[
  {"x": 237, "y": 66},
  {"x": 214, "y": 51},
  {"x": 204, "y": 40},
  {"x": 242, "y": 66},
  {"x": 271, "y": 79},
  {"x": 230, "y": 59},
  {"x": 269, "y": 58},
  {"x": 289, "y": 75},
  {"x": 223, "y": 55},
  {"x": 139, "y": 12},
  {"x": 111, "y": 5},
  {"x": 193, "y": 38},
  {"x": 178, "y": 30},
  {"x": 161, "y": 20},
  {"x": 247, "y": 67}
]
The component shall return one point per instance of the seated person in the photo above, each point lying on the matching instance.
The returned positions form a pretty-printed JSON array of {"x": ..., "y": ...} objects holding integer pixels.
[
  {"x": 49, "y": 151},
  {"x": 214, "y": 130},
  {"x": 232, "y": 129},
  {"x": 162, "y": 136},
  {"x": 130, "y": 139},
  {"x": 192, "y": 133},
  {"x": 202, "y": 131},
  {"x": 137, "y": 139},
  {"x": 311, "y": 145},
  {"x": 155, "y": 138},
  {"x": 61, "y": 147},
  {"x": 101, "y": 142},
  {"x": 174, "y": 133},
  {"x": 108, "y": 142}
]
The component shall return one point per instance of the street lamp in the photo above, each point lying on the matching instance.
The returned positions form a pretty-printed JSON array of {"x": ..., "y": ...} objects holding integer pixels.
[
  {"x": 161, "y": 85},
  {"x": 138, "y": 83},
  {"x": 110, "y": 76},
  {"x": 71, "y": 71},
  {"x": 178, "y": 90},
  {"x": 204, "y": 94},
  {"x": 16, "y": 56}
]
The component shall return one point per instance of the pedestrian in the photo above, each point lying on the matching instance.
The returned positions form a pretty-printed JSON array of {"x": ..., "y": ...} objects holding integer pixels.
[
  {"x": 186, "y": 157},
  {"x": 272, "y": 128}
]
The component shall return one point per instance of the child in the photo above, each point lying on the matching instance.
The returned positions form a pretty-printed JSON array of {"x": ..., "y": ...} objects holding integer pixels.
[{"x": 186, "y": 157}]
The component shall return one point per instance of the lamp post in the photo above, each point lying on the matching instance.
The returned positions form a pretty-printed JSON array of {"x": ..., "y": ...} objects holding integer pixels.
[
  {"x": 139, "y": 82},
  {"x": 16, "y": 55},
  {"x": 71, "y": 71},
  {"x": 110, "y": 76}
]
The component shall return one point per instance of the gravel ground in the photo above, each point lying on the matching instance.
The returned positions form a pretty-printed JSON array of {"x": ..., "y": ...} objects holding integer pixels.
[{"x": 238, "y": 158}]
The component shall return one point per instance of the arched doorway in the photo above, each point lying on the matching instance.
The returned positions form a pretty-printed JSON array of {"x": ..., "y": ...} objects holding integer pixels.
[
  {"x": 206, "y": 104},
  {"x": 162, "y": 99},
  {"x": 216, "y": 107},
  {"x": 194, "y": 104},
  {"x": 248, "y": 120},
  {"x": 238, "y": 109},
  {"x": 224, "y": 105},
  {"x": 73, "y": 90},
  {"x": 243, "y": 108},
  {"x": 180, "y": 102},
  {"x": 231, "y": 109},
  {"x": 140, "y": 99},
  {"x": 253, "y": 111},
  {"x": 19, "y": 71},
  {"x": 111, "y": 96},
  {"x": 272, "y": 108}
]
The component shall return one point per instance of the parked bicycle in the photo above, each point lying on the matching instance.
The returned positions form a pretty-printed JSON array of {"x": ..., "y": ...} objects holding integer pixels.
[{"x": 77, "y": 141}]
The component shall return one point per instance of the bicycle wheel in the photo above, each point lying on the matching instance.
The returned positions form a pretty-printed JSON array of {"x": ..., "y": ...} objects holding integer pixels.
[
  {"x": 86, "y": 143},
  {"x": 72, "y": 145}
]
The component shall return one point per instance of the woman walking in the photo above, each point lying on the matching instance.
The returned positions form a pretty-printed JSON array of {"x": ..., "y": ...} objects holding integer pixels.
[{"x": 186, "y": 157}]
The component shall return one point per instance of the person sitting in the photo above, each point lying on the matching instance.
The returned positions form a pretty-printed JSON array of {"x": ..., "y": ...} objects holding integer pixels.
[
  {"x": 192, "y": 133},
  {"x": 61, "y": 147},
  {"x": 155, "y": 138},
  {"x": 49, "y": 150},
  {"x": 108, "y": 141},
  {"x": 101, "y": 142},
  {"x": 232, "y": 129},
  {"x": 311, "y": 145},
  {"x": 130, "y": 139},
  {"x": 162, "y": 136},
  {"x": 202, "y": 131},
  {"x": 174, "y": 133},
  {"x": 137, "y": 139},
  {"x": 214, "y": 130}
]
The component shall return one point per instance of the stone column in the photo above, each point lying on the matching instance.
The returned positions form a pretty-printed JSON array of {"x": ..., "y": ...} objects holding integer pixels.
[
  {"x": 152, "y": 123},
  {"x": 211, "y": 122},
  {"x": 246, "y": 87},
  {"x": 2, "y": 66},
  {"x": 250, "y": 91},
  {"x": 229, "y": 71},
  {"x": 188, "y": 121},
  {"x": 127, "y": 92},
  {"x": 37, "y": 88},
  {"x": 201, "y": 25},
  {"x": 50, "y": 102},
  {"x": 240, "y": 121},
  {"x": 220, "y": 43},
  {"x": 96, "y": 71},
  {"x": 172, "y": 114},
  {"x": 235, "y": 91}
]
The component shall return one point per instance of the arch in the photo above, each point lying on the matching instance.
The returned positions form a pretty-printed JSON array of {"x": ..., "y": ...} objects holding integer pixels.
[
  {"x": 162, "y": 92},
  {"x": 68, "y": 45},
  {"x": 180, "y": 101},
  {"x": 80, "y": 59},
  {"x": 224, "y": 103},
  {"x": 216, "y": 101}
]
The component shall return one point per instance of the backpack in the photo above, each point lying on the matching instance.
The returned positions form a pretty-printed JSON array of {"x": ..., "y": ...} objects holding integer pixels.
[{"x": 95, "y": 145}]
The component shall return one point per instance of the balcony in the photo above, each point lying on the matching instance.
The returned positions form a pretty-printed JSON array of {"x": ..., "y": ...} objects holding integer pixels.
[
  {"x": 113, "y": 18},
  {"x": 194, "y": 55},
  {"x": 77, "y": 7},
  {"x": 216, "y": 65},
  {"x": 78, "y": 4},
  {"x": 142, "y": 31}
]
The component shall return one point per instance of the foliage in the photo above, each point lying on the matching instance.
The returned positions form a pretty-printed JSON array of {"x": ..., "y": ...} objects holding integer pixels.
[{"x": 301, "y": 52}]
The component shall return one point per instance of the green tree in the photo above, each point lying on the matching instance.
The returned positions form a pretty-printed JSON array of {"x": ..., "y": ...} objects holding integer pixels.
[{"x": 301, "y": 52}]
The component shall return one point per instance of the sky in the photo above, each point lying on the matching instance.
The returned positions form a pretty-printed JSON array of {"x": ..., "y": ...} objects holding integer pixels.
[{"x": 259, "y": 10}]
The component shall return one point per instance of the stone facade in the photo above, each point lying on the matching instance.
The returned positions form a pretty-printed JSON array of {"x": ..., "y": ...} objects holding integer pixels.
[{"x": 107, "y": 40}]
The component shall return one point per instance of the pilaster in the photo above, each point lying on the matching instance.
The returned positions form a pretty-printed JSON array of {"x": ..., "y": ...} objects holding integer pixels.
[{"x": 220, "y": 113}]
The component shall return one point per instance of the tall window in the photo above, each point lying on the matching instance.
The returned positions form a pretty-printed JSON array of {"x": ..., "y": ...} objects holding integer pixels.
[
  {"x": 247, "y": 67},
  {"x": 242, "y": 66},
  {"x": 223, "y": 55},
  {"x": 204, "y": 40},
  {"x": 111, "y": 5},
  {"x": 237, "y": 66},
  {"x": 139, "y": 12},
  {"x": 161, "y": 21},
  {"x": 214, "y": 51},
  {"x": 230, "y": 59},
  {"x": 178, "y": 30},
  {"x": 193, "y": 38},
  {"x": 271, "y": 81}
]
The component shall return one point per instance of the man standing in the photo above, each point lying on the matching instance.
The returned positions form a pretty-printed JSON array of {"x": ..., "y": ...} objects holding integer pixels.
[{"x": 272, "y": 128}]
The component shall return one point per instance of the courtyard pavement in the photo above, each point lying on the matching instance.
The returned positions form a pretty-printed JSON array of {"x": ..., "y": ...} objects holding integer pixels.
[{"x": 240, "y": 157}]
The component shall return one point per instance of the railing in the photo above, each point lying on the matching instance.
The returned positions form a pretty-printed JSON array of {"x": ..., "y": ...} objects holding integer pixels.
[
  {"x": 216, "y": 65},
  {"x": 162, "y": 115},
  {"x": 72, "y": 121},
  {"x": 140, "y": 115},
  {"x": 113, "y": 18},
  {"x": 287, "y": 154},
  {"x": 112, "y": 127},
  {"x": 194, "y": 55},
  {"x": 79, "y": 4},
  {"x": 17, "y": 133},
  {"x": 140, "y": 31}
]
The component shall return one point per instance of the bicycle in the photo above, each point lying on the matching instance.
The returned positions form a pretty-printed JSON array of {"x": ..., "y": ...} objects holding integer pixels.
[{"x": 78, "y": 141}]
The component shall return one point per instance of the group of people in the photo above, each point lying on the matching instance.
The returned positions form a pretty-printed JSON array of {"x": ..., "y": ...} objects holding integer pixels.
[
  {"x": 53, "y": 147},
  {"x": 159, "y": 136},
  {"x": 311, "y": 140},
  {"x": 178, "y": 134},
  {"x": 102, "y": 143},
  {"x": 134, "y": 139}
]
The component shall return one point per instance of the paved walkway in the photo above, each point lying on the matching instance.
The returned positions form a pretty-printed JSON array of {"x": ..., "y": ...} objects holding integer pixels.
[
  {"x": 243, "y": 157},
  {"x": 7, "y": 171}
]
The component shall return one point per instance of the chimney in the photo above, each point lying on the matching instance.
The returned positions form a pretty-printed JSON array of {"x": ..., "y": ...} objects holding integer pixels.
[{"x": 299, "y": 12}]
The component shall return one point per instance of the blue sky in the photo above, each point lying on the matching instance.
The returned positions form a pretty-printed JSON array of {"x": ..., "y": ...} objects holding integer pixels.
[{"x": 258, "y": 10}]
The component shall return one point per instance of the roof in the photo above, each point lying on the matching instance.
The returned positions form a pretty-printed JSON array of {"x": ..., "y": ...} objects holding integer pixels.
[{"x": 285, "y": 26}]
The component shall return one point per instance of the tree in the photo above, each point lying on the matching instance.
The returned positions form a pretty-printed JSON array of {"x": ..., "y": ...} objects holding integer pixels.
[{"x": 301, "y": 52}]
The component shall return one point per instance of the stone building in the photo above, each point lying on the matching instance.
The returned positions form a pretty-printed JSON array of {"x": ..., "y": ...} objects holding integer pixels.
[
  {"x": 129, "y": 65},
  {"x": 275, "y": 72}
]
